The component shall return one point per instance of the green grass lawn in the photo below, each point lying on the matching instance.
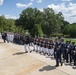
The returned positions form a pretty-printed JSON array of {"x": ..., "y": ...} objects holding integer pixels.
[{"x": 68, "y": 39}]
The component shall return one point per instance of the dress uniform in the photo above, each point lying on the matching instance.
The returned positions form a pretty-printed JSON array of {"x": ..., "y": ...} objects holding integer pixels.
[
  {"x": 34, "y": 44},
  {"x": 58, "y": 54},
  {"x": 71, "y": 51},
  {"x": 4, "y": 37},
  {"x": 62, "y": 47},
  {"x": 44, "y": 51},
  {"x": 40, "y": 44},
  {"x": 68, "y": 47},
  {"x": 43, "y": 44},
  {"x": 74, "y": 53},
  {"x": 50, "y": 48},
  {"x": 26, "y": 45}
]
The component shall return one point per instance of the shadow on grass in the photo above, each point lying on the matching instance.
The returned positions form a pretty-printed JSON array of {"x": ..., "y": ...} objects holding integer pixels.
[{"x": 47, "y": 68}]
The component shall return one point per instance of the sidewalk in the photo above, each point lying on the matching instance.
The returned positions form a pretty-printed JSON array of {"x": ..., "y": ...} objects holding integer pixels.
[{"x": 13, "y": 61}]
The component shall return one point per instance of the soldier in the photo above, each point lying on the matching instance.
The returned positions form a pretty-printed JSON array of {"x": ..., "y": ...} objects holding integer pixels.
[
  {"x": 34, "y": 44},
  {"x": 15, "y": 38},
  {"x": 26, "y": 45},
  {"x": 37, "y": 44},
  {"x": 50, "y": 48},
  {"x": 62, "y": 47},
  {"x": 43, "y": 44},
  {"x": 31, "y": 41},
  {"x": 55, "y": 46},
  {"x": 21, "y": 39},
  {"x": 4, "y": 37},
  {"x": 46, "y": 49},
  {"x": 74, "y": 54},
  {"x": 68, "y": 47},
  {"x": 71, "y": 51},
  {"x": 58, "y": 53},
  {"x": 40, "y": 44}
]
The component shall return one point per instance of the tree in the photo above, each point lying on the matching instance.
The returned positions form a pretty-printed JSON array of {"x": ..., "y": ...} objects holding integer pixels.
[
  {"x": 3, "y": 23},
  {"x": 60, "y": 19},
  {"x": 37, "y": 31},
  {"x": 27, "y": 19},
  {"x": 70, "y": 30},
  {"x": 10, "y": 25},
  {"x": 49, "y": 21}
]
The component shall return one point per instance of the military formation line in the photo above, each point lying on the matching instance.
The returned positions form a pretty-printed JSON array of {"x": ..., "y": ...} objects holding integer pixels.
[{"x": 62, "y": 52}]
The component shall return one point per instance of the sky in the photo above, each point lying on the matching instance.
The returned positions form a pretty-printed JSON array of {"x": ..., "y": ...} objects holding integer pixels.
[{"x": 13, "y": 8}]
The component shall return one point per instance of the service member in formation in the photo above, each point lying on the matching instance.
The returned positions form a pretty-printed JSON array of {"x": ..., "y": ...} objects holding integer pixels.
[
  {"x": 58, "y": 53},
  {"x": 50, "y": 48},
  {"x": 68, "y": 47},
  {"x": 4, "y": 37},
  {"x": 26, "y": 45},
  {"x": 74, "y": 54},
  {"x": 71, "y": 52},
  {"x": 62, "y": 47}
]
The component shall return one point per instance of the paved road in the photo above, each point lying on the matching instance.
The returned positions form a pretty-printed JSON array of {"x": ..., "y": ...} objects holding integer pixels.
[{"x": 13, "y": 61}]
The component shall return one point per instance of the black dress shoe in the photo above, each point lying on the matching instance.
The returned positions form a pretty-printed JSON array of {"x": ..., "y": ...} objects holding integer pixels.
[
  {"x": 33, "y": 49},
  {"x": 61, "y": 64},
  {"x": 40, "y": 52},
  {"x": 48, "y": 54},
  {"x": 56, "y": 65},
  {"x": 30, "y": 51}
]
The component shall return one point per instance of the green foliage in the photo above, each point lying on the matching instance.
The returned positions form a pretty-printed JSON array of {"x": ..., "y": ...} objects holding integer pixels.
[
  {"x": 36, "y": 22},
  {"x": 71, "y": 30},
  {"x": 48, "y": 20},
  {"x": 3, "y": 23},
  {"x": 37, "y": 31},
  {"x": 9, "y": 25}
]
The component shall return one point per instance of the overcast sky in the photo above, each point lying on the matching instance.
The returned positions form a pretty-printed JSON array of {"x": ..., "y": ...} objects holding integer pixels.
[{"x": 12, "y": 8}]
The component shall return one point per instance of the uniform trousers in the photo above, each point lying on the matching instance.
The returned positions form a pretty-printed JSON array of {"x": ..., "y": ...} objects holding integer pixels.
[{"x": 27, "y": 47}]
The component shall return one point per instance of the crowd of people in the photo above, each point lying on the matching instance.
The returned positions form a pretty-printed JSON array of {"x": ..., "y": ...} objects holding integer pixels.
[{"x": 62, "y": 51}]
